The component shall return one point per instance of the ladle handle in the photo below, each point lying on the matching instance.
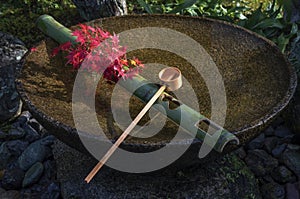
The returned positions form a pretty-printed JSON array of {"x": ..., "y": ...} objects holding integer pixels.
[{"x": 125, "y": 134}]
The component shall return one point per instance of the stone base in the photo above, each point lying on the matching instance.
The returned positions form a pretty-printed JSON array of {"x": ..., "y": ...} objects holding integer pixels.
[{"x": 228, "y": 177}]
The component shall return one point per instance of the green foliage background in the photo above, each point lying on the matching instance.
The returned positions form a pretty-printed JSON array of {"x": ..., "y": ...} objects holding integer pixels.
[{"x": 262, "y": 16}]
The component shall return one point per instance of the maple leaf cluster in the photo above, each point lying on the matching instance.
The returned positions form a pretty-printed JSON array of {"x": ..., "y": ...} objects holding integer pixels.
[{"x": 98, "y": 51}]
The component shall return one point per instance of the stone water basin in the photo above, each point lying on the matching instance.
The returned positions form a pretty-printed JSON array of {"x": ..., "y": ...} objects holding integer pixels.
[{"x": 259, "y": 83}]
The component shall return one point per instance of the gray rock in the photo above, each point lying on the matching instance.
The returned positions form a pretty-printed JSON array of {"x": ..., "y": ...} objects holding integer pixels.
[
  {"x": 257, "y": 143},
  {"x": 12, "y": 179},
  {"x": 33, "y": 174},
  {"x": 16, "y": 133},
  {"x": 269, "y": 131},
  {"x": 5, "y": 156},
  {"x": 282, "y": 131},
  {"x": 292, "y": 160},
  {"x": 273, "y": 191},
  {"x": 292, "y": 190},
  {"x": 283, "y": 175},
  {"x": 35, "y": 152},
  {"x": 260, "y": 162},
  {"x": 270, "y": 143},
  {"x": 31, "y": 134},
  {"x": 16, "y": 147},
  {"x": 278, "y": 150}
]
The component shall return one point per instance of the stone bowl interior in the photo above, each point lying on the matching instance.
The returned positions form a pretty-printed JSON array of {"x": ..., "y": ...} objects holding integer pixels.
[{"x": 259, "y": 82}]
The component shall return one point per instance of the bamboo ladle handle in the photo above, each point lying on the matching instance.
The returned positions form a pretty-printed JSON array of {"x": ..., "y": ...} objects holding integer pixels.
[{"x": 166, "y": 75}]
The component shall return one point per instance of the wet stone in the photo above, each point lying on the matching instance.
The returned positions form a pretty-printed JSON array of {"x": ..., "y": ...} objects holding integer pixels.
[
  {"x": 16, "y": 133},
  {"x": 31, "y": 134},
  {"x": 16, "y": 147},
  {"x": 292, "y": 160},
  {"x": 12, "y": 179},
  {"x": 35, "y": 152},
  {"x": 282, "y": 131},
  {"x": 273, "y": 191},
  {"x": 260, "y": 162},
  {"x": 292, "y": 190},
  {"x": 5, "y": 156},
  {"x": 278, "y": 150},
  {"x": 257, "y": 143},
  {"x": 269, "y": 131},
  {"x": 33, "y": 174},
  {"x": 270, "y": 143},
  {"x": 283, "y": 175}
]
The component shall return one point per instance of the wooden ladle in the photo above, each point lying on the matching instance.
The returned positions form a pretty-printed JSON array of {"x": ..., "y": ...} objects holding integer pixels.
[{"x": 172, "y": 80}]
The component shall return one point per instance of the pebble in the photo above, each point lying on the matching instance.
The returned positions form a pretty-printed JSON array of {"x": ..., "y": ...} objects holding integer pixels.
[
  {"x": 292, "y": 190},
  {"x": 269, "y": 131},
  {"x": 33, "y": 174},
  {"x": 16, "y": 147},
  {"x": 260, "y": 162},
  {"x": 16, "y": 133},
  {"x": 257, "y": 143},
  {"x": 241, "y": 153},
  {"x": 12, "y": 179},
  {"x": 278, "y": 150},
  {"x": 282, "y": 131},
  {"x": 273, "y": 190},
  {"x": 270, "y": 143},
  {"x": 5, "y": 155},
  {"x": 35, "y": 152},
  {"x": 31, "y": 134},
  {"x": 292, "y": 160},
  {"x": 282, "y": 175}
]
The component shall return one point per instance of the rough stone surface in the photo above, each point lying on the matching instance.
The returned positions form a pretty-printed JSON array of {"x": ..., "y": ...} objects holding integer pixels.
[
  {"x": 225, "y": 178},
  {"x": 260, "y": 162}
]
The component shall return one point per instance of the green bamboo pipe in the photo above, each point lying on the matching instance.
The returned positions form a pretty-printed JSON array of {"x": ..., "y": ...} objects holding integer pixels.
[{"x": 183, "y": 115}]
